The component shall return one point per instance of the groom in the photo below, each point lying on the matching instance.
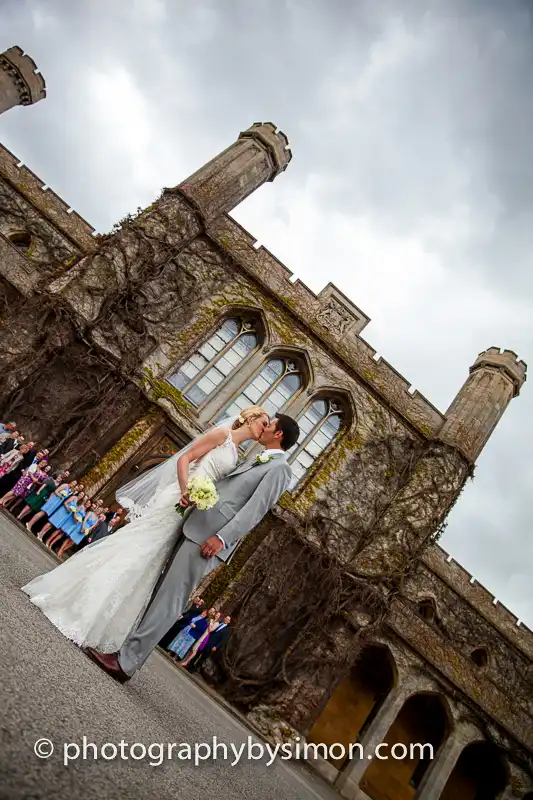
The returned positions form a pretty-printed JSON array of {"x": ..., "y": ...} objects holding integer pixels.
[{"x": 208, "y": 537}]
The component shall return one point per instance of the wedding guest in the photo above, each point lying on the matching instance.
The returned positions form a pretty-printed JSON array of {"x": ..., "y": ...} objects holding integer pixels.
[
  {"x": 36, "y": 500},
  {"x": 57, "y": 497},
  {"x": 7, "y": 427},
  {"x": 9, "y": 461},
  {"x": 8, "y": 441},
  {"x": 102, "y": 529},
  {"x": 188, "y": 636},
  {"x": 83, "y": 521},
  {"x": 213, "y": 645},
  {"x": 8, "y": 481},
  {"x": 25, "y": 484},
  {"x": 41, "y": 455},
  {"x": 61, "y": 517},
  {"x": 213, "y": 624},
  {"x": 196, "y": 607}
]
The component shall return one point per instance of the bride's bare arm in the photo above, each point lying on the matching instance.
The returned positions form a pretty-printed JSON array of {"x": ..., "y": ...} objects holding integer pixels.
[{"x": 200, "y": 448}]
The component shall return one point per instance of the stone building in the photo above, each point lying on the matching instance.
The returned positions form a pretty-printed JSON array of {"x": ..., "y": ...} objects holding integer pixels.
[{"x": 117, "y": 349}]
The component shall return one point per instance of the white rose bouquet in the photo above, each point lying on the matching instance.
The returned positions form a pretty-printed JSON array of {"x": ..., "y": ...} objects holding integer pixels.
[{"x": 202, "y": 493}]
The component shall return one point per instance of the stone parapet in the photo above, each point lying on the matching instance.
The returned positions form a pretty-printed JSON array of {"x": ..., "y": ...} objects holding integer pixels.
[
  {"x": 507, "y": 361},
  {"x": 334, "y": 319},
  {"x": 459, "y": 579},
  {"x": 46, "y": 201}
]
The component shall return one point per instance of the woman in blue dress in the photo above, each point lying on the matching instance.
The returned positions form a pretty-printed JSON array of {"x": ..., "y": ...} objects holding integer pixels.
[
  {"x": 57, "y": 497},
  {"x": 78, "y": 528},
  {"x": 185, "y": 639},
  {"x": 64, "y": 514}
]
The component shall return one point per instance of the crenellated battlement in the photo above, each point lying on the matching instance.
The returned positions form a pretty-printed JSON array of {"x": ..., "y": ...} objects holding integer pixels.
[
  {"x": 333, "y": 318},
  {"x": 459, "y": 579},
  {"x": 505, "y": 360},
  {"x": 23, "y": 75},
  {"x": 274, "y": 140},
  {"x": 24, "y": 181}
]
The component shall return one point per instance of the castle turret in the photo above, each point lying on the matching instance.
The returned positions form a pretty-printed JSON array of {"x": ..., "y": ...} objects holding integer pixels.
[
  {"x": 20, "y": 82},
  {"x": 495, "y": 378},
  {"x": 259, "y": 155}
]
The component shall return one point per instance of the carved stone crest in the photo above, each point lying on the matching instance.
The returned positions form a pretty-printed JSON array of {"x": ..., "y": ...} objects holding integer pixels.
[{"x": 335, "y": 317}]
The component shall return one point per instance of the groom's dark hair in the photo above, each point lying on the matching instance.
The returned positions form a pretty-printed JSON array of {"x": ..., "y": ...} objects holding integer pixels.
[{"x": 290, "y": 430}]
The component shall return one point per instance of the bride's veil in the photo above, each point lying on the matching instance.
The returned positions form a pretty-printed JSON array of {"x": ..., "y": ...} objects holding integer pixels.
[{"x": 138, "y": 494}]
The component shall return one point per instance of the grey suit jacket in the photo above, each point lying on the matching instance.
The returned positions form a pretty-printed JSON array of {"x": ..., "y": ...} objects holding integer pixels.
[{"x": 246, "y": 495}]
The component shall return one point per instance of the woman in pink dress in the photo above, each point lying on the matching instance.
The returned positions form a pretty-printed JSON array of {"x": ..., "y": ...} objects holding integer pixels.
[{"x": 26, "y": 484}]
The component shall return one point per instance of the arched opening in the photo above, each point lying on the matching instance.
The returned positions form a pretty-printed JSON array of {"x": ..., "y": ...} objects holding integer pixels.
[
  {"x": 423, "y": 720},
  {"x": 427, "y": 610},
  {"x": 480, "y": 774},
  {"x": 320, "y": 424},
  {"x": 21, "y": 240},
  {"x": 218, "y": 358},
  {"x": 355, "y": 702},
  {"x": 480, "y": 657}
]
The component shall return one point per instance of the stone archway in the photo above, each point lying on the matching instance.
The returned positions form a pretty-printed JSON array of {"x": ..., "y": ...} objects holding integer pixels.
[
  {"x": 422, "y": 720},
  {"x": 158, "y": 449},
  {"x": 479, "y": 774},
  {"x": 355, "y": 702}
]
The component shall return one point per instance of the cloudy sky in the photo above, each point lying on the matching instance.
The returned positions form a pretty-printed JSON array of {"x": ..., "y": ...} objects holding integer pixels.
[{"x": 411, "y": 186}]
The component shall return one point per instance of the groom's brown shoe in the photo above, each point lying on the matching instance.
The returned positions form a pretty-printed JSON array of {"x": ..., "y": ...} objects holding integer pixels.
[{"x": 109, "y": 663}]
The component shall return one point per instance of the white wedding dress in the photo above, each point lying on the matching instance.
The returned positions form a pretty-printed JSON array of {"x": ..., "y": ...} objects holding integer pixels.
[{"x": 97, "y": 596}]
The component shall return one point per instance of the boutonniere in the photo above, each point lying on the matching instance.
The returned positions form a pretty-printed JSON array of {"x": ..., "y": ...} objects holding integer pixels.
[{"x": 263, "y": 458}]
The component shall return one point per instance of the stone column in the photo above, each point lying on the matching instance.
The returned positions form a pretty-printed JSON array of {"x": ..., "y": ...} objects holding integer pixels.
[
  {"x": 495, "y": 378},
  {"x": 259, "y": 155},
  {"x": 348, "y": 780},
  {"x": 20, "y": 82},
  {"x": 437, "y": 775}
]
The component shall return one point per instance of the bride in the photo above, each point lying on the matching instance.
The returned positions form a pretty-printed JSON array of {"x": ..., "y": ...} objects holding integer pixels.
[{"x": 98, "y": 595}]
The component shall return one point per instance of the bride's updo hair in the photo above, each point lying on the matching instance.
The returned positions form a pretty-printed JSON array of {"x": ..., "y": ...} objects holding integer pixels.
[{"x": 248, "y": 415}]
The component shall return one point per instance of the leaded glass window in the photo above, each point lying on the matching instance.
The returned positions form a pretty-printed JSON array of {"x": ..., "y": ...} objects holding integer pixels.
[
  {"x": 215, "y": 360},
  {"x": 319, "y": 425},
  {"x": 272, "y": 388}
]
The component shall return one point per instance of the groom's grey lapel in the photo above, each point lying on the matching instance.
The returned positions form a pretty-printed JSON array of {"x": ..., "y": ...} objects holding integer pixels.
[{"x": 248, "y": 464}]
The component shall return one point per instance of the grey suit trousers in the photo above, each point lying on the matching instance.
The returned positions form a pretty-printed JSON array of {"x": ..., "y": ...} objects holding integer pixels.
[{"x": 187, "y": 569}]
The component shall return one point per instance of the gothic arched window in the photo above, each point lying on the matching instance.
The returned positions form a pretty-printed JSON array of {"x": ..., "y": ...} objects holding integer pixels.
[
  {"x": 272, "y": 388},
  {"x": 319, "y": 425},
  {"x": 216, "y": 359}
]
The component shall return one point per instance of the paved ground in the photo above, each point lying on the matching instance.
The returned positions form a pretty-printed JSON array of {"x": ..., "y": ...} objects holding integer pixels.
[{"x": 49, "y": 689}]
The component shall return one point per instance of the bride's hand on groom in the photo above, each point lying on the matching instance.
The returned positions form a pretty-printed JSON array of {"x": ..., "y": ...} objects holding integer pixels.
[{"x": 211, "y": 547}]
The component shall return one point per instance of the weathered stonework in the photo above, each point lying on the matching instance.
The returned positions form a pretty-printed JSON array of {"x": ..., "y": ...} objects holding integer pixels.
[
  {"x": 348, "y": 562},
  {"x": 20, "y": 81}
]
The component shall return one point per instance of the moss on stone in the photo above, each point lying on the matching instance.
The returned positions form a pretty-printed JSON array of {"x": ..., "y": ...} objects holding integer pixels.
[
  {"x": 324, "y": 474},
  {"x": 107, "y": 465},
  {"x": 159, "y": 388}
]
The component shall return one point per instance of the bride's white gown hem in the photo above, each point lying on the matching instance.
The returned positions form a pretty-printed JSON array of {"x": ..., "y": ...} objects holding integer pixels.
[{"x": 98, "y": 596}]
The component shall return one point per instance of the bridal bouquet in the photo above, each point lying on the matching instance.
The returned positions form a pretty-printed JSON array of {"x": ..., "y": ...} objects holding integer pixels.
[{"x": 202, "y": 493}]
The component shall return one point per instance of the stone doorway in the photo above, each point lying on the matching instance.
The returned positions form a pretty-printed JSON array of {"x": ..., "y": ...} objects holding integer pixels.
[
  {"x": 422, "y": 719},
  {"x": 355, "y": 702},
  {"x": 163, "y": 444},
  {"x": 480, "y": 774}
]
